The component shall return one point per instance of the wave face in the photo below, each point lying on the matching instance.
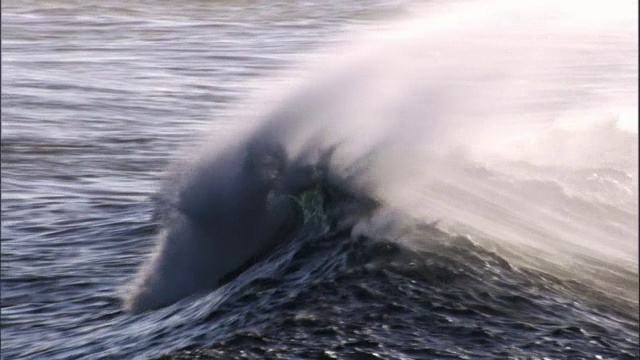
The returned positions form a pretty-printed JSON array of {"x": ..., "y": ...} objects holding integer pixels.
[{"x": 228, "y": 209}]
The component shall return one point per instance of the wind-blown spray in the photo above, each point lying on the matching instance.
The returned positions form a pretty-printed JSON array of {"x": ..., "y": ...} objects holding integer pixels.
[{"x": 466, "y": 116}]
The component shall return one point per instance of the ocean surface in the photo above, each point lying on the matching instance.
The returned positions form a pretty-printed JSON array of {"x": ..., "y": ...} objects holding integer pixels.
[{"x": 367, "y": 179}]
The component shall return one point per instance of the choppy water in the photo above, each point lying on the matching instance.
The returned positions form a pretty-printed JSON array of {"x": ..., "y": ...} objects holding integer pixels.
[{"x": 528, "y": 252}]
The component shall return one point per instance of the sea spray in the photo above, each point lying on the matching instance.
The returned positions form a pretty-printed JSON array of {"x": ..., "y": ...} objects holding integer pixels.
[{"x": 428, "y": 116}]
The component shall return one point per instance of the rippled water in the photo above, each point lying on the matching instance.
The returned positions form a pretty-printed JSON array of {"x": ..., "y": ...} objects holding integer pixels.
[{"x": 97, "y": 99}]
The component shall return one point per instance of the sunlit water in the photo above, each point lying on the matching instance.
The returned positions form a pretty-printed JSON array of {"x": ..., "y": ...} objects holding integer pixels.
[{"x": 97, "y": 100}]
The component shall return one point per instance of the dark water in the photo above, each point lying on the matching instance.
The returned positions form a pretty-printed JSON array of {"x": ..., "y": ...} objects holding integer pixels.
[{"x": 98, "y": 99}]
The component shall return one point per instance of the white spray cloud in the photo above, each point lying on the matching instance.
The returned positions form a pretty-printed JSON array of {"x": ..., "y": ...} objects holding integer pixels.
[{"x": 426, "y": 101}]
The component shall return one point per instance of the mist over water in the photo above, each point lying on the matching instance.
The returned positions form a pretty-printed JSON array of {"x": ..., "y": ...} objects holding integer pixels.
[{"x": 468, "y": 167}]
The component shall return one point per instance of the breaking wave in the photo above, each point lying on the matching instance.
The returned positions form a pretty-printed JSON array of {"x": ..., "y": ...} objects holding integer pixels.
[{"x": 463, "y": 124}]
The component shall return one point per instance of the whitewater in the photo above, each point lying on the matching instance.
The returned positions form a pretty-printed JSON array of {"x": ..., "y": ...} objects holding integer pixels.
[{"x": 446, "y": 180}]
